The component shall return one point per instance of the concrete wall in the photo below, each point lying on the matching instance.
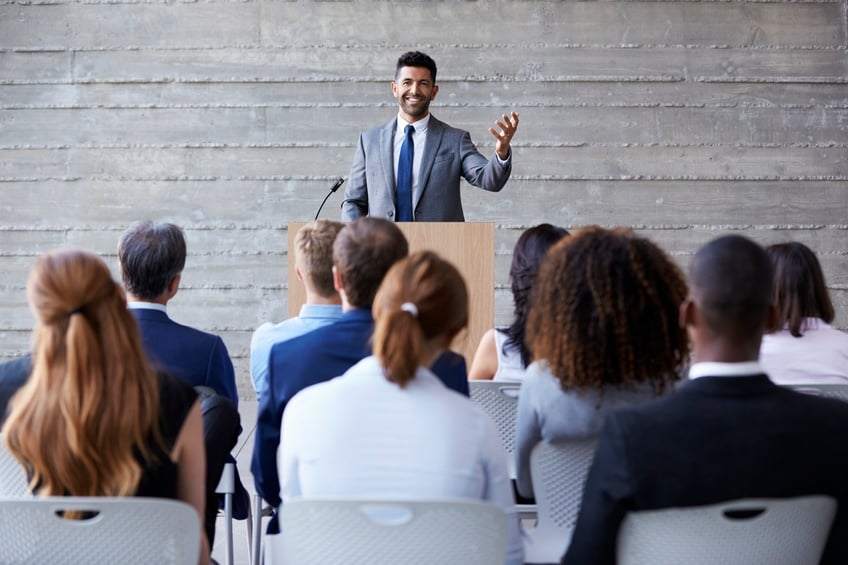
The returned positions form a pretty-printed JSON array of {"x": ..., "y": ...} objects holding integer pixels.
[{"x": 685, "y": 120}]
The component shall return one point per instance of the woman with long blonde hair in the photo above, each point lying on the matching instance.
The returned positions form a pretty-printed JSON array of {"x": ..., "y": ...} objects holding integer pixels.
[{"x": 94, "y": 419}]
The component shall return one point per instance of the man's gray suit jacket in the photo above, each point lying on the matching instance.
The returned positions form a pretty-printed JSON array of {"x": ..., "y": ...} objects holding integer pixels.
[{"x": 448, "y": 155}]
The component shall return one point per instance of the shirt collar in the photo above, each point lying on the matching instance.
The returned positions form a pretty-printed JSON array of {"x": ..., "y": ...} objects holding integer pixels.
[
  {"x": 141, "y": 305},
  {"x": 420, "y": 126},
  {"x": 716, "y": 369}
]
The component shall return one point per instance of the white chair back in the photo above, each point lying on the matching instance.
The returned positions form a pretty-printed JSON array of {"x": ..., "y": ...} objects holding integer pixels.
[
  {"x": 13, "y": 480},
  {"x": 558, "y": 472},
  {"x": 130, "y": 531},
  {"x": 774, "y": 531},
  {"x": 385, "y": 532},
  {"x": 500, "y": 401}
]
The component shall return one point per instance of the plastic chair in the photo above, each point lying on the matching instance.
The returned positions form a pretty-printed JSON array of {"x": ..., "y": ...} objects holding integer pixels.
[
  {"x": 774, "y": 531},
  {"x": 376, "y": 532},
  {"x": 227, "y": 487},
  {"x": 13, "y": 481},
  {"x": 558, "y": 471},
  {"x": 130, "y": 531},
  {"x": 500, "y": 401}
]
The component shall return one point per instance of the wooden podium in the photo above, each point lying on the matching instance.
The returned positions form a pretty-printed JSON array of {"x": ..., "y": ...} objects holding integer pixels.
[{"x": 470, "y": 246}]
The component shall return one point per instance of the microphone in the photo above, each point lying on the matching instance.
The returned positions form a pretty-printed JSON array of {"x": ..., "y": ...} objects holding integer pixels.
[{"x": 334, "y": 188}]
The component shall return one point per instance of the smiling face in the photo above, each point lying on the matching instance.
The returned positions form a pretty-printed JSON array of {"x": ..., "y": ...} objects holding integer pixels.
[{"x": 413, "y": 88}]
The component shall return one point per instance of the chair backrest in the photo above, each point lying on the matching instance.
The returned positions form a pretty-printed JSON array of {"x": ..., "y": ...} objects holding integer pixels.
[
  {"x": 774, "y": 531},
  {"x": 500, "y": 401},
  {"x": 558, "y": 471},
  {"x": 113, "y": 530},
  {"x": 377, "y": 532},
  {"x": 13, "y": 480}
]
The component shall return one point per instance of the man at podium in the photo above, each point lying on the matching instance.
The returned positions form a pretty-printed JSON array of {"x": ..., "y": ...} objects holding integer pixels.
[{"x": 409, "y": 169}]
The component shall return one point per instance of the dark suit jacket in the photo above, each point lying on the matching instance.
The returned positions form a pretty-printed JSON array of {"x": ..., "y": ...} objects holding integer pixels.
[
  {"x": 310, "y": 359},
  {"x": 13, "y": 375},
  {"x": 448, "y": 155},
  {"x": 715, "y": 439},
  {"x": 190, "y": 355}
]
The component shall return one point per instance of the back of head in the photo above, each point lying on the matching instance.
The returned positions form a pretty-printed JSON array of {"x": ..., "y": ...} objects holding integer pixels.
[
  {"x": 150, "y": 256},
  {"x": 417, "y": 59},
  {"x": 422, "y": 301},
  {"x": 799, "y": 287},
  {"x": 605, "y": 312},
  {"x": 531, "y": 248},
  {"x": 363, "y": 253},
  {"x": 731, "y": 283},
  {"x": 91, "y": 399},
  {"x": 313, "y": 248}
]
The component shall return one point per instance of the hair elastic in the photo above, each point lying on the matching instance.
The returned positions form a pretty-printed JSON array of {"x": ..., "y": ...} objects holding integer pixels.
[
  {"x": 411, "y": 308},
  {"x": 77, "y": 310}
]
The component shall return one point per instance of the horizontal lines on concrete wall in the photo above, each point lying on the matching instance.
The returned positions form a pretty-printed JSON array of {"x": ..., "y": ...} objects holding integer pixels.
[{"x": 231, "y": 118}]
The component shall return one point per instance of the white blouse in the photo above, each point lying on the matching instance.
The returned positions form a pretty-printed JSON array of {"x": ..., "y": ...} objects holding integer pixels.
[
  {"x": 819, "y": 356},
  {"x": 361, "y": 435}
]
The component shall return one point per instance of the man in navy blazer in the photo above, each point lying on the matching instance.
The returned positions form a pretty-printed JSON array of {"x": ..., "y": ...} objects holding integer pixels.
[
  {"x": 13, "y": 375},
  {"x": 363, "y": 252},
  {"x": 729, "y": 432},
  {"x": 152, "y": 257},
  {"x": 441, "y": 155}
]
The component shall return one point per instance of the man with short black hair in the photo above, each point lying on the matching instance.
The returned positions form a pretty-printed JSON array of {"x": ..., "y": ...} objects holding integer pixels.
[
  {"x": 151, "y": 258},
  {"x": 729, "y": 432},
  {"x": 410, "y": 168}
]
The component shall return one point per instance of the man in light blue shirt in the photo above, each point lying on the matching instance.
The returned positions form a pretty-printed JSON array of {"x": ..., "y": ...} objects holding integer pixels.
[{"x": 313, "y": 250}]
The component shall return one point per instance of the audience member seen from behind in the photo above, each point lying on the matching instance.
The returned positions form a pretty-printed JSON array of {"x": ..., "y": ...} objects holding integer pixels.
[
  {"x": 803, "y": 347},
  {"x": 313, "y": 265},
  {"x": 503, "y": 353},
  {"x": 728, "y": 432},
  {"x": 94, "y": 419},
  {"x": 419, "y": 439},
  {"x": 603, "y": 328}
]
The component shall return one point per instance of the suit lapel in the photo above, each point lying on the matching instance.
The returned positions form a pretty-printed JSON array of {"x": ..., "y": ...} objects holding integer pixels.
[
  {"x": 435, "y": 130},
  {"x": 387, "y": 152}
]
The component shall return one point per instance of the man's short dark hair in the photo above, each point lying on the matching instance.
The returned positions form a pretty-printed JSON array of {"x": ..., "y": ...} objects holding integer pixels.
[
  {"x": 417, "y": 59},
  {"x": 730, "y": 279},
  {"x": 363, "y": 253},
  {"x": 151, "y": 255}
]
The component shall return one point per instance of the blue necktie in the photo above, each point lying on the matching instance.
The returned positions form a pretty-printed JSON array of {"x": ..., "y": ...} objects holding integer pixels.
[{"x": 404, "y": 177}]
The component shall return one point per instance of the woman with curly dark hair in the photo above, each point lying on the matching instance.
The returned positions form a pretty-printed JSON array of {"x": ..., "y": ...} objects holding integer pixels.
[
  {"x": 803, "y": 347},
  {"x": 604, "y": 332},
  {"x": 502, "y": 354}
]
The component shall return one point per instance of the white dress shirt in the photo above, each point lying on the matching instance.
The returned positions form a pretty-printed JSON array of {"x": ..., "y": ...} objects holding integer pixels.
[
  {"x": 819, "y": 356},
  {"x": 361, "y": 435}
]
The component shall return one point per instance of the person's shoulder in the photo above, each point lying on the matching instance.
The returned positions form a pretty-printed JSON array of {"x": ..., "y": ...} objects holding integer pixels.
[{"x": 446, "y": 129}]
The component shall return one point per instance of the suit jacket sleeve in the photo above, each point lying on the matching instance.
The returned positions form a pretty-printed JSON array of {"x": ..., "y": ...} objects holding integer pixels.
[
  {"x": 355, "y": 202},
  {"x": 268, "y": 421},
  {"x": 451, "y": 370},
  {"x": 606, "y": 499},
  {"x": 221, "y": 375},
  {"x": 488, "y": 174}
]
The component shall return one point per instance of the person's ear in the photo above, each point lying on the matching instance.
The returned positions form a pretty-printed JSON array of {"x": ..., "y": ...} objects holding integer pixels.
[
  {"x": 174, "y": 285},
  {"x": 434, "y": 92},
  {"x": 337, "y": 280},
  {"x": 688, "y": 314},
  {"x": 297, "y": 273}
]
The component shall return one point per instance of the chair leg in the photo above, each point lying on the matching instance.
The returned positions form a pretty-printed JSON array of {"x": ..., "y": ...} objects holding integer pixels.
[
  {"x": 226, "y": 486},
  {"x": 256, "y": 555}
]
